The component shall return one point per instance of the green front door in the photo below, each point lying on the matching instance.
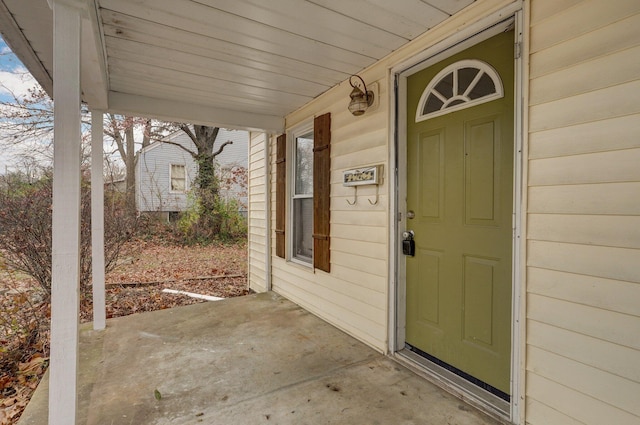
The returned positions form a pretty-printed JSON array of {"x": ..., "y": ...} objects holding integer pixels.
[{"x": 460, "y": 195}]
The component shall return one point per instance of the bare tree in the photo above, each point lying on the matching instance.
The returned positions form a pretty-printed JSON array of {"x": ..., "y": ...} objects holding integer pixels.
[
  {"x": 26, "y": 127},
  {"x": 204, "y": 140},
  {"x": 207, "y": 182},
  {"x": 28, "y": 121},
  {"x": 122, "y": 130},
  {"x": 114, "y": 170}
]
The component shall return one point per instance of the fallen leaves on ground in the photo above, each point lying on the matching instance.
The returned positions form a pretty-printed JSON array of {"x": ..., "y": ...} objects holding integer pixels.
[
  {"x": 145, "y": 268},
  {"x": 155, "y": 266},
  {"x": 16, "y": 389}
]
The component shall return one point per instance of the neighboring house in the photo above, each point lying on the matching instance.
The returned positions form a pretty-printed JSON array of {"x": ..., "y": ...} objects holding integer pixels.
[
  {"x": 503, "y": 133},
  {"x": 165, "y": 172},
  {"x": 117, "y": 185}
]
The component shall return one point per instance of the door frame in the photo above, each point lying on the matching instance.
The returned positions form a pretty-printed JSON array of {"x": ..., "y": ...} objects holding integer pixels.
[{"x": 473, "y": 34}]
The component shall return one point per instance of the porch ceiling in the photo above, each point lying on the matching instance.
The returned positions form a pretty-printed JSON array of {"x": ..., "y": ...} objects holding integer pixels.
[{"x": 234, "y": 63}]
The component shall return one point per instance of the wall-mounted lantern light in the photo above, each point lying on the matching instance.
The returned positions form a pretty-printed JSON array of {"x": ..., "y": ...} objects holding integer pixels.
[{"x": 361, "y": 98}]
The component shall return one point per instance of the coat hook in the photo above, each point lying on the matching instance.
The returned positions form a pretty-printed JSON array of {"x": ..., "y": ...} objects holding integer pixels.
[
  {"x": 376, "y": 202},
  {"x": 355, "y": 198}
]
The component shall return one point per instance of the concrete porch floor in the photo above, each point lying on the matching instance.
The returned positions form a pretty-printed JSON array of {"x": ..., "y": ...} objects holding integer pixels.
[{"x": 258, "y": 359}]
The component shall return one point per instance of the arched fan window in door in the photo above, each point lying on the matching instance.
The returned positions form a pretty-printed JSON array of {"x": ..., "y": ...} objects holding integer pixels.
[{"x": 460, "y": 85}]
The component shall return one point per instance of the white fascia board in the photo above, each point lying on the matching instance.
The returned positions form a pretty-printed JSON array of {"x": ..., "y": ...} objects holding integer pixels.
[
  {"x": 141, "y": 106},
  {"x": 95, "y": 84},
  {"x": 19, "y": 45}
]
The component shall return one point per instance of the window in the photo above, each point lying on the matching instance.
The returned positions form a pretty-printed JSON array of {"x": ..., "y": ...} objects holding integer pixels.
[
  {"x": 178, "y": 178},
  {"x": 461, "y": 85},
  {"x": 303, "y": 195}
]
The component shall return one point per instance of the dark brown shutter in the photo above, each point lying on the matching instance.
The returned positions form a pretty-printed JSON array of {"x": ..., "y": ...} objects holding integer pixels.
[
  {"x": 281, "y": 196},
  {"x": 321, "y": 191}
]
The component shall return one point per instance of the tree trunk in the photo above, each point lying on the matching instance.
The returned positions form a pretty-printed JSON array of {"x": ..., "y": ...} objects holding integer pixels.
[{"x": 212, "y": 218}]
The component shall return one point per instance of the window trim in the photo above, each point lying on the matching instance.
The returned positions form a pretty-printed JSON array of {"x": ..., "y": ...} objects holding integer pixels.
[
  {"x": 304, "y": 128},
  {"x": 483, "y": 67},
  {"x": 186, "y": 180}
]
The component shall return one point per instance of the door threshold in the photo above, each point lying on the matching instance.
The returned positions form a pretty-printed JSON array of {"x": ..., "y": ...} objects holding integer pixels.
[{"x": 481, "y": 399}]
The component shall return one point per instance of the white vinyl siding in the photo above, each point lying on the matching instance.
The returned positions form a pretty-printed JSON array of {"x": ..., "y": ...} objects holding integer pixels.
[
  {"x": 153, "y": 178},
  {"x": 583, "y": 287},
  {"x": 153, "y": 170},
  {"x": 355, "y": 295},
  {"x": 257, "y": 213},
  {"x": 582, "y": 210}
]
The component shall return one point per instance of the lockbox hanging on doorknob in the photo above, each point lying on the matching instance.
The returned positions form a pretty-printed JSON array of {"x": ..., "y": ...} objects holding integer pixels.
[{"x": 408, "y": 244}]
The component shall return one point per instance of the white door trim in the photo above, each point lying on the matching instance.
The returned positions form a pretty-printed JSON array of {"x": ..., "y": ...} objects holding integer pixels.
[{"x": 474, "y": 34}]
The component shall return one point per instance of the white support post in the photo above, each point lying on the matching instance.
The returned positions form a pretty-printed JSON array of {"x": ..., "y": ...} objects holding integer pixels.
[
  {"x": 65, "y": 273},
  {"x": 97, "y": 221}
]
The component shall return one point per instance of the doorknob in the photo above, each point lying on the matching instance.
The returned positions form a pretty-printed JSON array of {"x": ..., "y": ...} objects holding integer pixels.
[{"x": 411, "y": 214}]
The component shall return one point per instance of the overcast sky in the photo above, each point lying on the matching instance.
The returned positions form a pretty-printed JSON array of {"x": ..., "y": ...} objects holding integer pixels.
[{"x": 14, "y": 78}]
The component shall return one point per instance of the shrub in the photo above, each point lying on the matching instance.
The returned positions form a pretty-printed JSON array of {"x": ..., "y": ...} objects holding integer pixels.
[
  {"x": 215, "y": 219},
  {"x": 25, "y": 230}
]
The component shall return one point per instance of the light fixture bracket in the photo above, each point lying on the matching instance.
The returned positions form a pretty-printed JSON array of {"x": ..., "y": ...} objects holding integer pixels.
[{"x": 361, "y": 98}]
